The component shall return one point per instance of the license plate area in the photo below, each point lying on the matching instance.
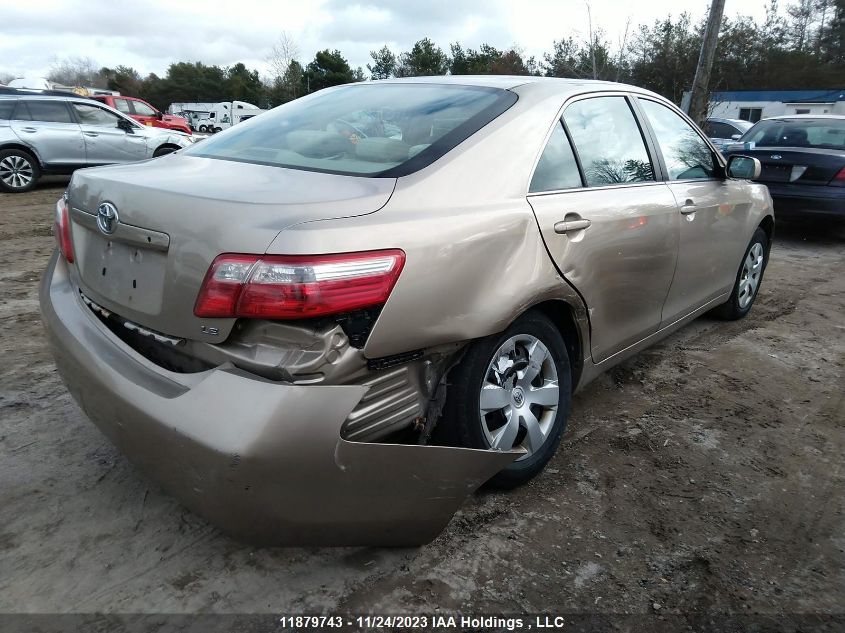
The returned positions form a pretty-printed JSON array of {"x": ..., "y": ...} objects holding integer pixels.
[
  {"x": 775, "y": 173},
  {"x": 124, "y": 274}
]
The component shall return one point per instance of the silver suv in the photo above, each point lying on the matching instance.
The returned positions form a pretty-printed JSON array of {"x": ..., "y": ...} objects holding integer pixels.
[{"x": 42, "y": 134}]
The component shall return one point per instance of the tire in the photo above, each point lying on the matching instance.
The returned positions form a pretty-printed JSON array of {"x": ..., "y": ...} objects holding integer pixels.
[
  {"x": 217, "y": 129},
  {"x": 748, "y": 279},
  {"x": 465, "y": 424},
  {"x": 203, "y": 128},
  {"x": 19, "y": 171},
  {"x": 163, "y": 150}
]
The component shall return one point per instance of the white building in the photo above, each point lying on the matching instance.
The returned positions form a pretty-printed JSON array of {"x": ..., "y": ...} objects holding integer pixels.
[{"x": 753, "y": 105}]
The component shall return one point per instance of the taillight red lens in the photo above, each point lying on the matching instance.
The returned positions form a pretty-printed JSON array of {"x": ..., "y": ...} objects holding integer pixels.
[
  {"x": 297, "y": 286},
  {"x": 61, "y": 230},
  {"x": 839, "y": 179}
]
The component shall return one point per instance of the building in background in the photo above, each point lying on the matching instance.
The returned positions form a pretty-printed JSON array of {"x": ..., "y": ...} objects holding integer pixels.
[{"x": 753, "y": 105}]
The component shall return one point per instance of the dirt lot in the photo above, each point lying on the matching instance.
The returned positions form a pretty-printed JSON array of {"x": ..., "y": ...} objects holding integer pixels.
[{"x": 703, "y": 475}]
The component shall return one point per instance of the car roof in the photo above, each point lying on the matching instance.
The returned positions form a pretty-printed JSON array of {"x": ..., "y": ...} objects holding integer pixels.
[
  {"x": 719, "y": 119},
  {"x": 505, "y": 81},
  {"x": 47, "y": 94}
]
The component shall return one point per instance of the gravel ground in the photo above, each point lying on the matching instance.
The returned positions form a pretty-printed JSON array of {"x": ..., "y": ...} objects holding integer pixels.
[{"x": 703, "y": 475}]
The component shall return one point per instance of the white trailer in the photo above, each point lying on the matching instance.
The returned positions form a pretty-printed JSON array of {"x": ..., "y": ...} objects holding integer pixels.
[{"x": 214, "y": 117}]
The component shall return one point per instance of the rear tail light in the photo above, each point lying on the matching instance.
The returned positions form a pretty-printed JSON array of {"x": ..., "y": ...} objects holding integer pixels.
[
  {"x": 297, "y": 286},
  {"x": 839, "y": 179},
  {"x": 61, "y": 230}
]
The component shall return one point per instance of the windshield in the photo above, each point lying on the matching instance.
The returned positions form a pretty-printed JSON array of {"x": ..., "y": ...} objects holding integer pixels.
[
  {"x": 818, "y": 133},
  {"x": 364, "y": 129}
]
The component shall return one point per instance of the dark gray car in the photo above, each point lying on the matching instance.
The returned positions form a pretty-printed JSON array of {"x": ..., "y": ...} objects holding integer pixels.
[{"x": 42, "y": 134}]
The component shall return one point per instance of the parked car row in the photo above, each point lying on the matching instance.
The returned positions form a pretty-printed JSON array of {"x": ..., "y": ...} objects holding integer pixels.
[{"x": 56, "y": 133}]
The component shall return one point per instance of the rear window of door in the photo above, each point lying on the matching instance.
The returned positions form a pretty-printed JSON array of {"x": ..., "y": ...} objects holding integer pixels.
[
  {"x": 6, "y": 108},
  {"x": 608, "y": 141},
  {"x": 557, "y": 168},
  {"x": 686, "y": 154},
  {"x": 43, "y": 110},
  {"x": 92, "y": 115}
]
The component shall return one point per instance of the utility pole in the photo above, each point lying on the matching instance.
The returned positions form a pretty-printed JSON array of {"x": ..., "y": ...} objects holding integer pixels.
[{"x": 698, "y": 98}]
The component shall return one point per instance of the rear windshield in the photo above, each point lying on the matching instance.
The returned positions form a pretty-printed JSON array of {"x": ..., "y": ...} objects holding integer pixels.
[
  {"x": 819, "y": 133},
  {"x": 363, "y": 130}
]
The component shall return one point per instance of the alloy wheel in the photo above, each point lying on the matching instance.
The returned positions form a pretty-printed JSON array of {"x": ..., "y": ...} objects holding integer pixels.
[
  {"x": 752, "y": 270},
  {"x": 16, "y": 171},
  {"x": 519, "y": 396}
]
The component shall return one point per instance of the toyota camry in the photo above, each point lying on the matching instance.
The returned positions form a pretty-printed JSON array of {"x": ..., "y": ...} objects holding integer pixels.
[{"x": 333, "y": 322}]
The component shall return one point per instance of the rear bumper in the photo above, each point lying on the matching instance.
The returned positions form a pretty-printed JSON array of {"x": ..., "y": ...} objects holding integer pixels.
[
  {"x": 262, "y": 460},
  {"x": 798, "y": 199}
]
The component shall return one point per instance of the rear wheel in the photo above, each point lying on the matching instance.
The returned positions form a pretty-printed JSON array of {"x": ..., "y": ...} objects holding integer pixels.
[
  {"x": 512, "y": 391},
  {"x": 19, "y": 171},
  {"x": 748, "y": 279}
]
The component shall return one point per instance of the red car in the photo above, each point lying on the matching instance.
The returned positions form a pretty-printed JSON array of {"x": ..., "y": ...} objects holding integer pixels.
[{"x": 144, "y": 113}]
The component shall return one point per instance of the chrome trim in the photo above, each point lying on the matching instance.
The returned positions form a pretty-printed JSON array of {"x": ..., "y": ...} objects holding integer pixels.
[{"x": 126, "y": 233}]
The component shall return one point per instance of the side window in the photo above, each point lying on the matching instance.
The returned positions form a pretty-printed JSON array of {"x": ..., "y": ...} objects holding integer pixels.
[
  {"x": 143, "y": 109},
  {"x": 609, "y": 142},
  {"x": 718, "y": 130},
  {"x": 557, "y": 168},
  {"x": 122, "y": 105},
  {"x": 6, "y": 108},
  {"x": 686, "y": 154},
  {"x": 50, "y": 111},
  {"x": 92, "y": 115}
]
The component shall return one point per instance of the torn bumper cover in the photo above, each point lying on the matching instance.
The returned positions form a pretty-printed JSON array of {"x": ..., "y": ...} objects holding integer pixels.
[{"x": 263, "y": 460}]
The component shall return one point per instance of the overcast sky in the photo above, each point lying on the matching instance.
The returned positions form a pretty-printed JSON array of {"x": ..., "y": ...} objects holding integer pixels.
[{"x": 151, "y": 34}]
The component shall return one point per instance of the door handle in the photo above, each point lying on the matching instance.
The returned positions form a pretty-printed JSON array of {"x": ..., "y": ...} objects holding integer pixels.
[
  {"x": 575, "y": 224},
  {"x": 91, "y": 133},
  {"x": 29, "y": 129},
  {"x": 688, "y": 207}
]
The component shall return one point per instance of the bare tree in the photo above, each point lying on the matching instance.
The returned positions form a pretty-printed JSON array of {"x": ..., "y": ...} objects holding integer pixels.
[
  {"x": 284, "y": 51},
  {"x": 76, "y": 71},
  {"x": 622, "y": 48},
  {"x": 592, "y": 39}
]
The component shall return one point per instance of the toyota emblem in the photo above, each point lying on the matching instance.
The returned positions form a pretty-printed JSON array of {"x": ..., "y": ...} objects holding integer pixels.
[{"x": 107, "y": 219}]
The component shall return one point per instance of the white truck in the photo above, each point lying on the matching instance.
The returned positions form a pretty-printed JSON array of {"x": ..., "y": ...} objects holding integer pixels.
[{"x": 214, "y": 117}]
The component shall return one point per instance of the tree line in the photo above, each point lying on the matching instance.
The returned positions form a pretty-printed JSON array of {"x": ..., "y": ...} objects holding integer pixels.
[{"x": 803, "y": 48}]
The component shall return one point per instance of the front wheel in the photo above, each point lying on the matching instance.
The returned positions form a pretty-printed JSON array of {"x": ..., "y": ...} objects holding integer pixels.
[
  {"x": 512, "y": 391},
  {"x": 748, "y": 279},
  {"x": 19, "y": 171}
]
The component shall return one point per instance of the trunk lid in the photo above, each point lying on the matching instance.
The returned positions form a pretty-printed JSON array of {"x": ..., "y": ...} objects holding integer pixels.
[
  {"x": 177, "y": 213},
  {"x": 804, "y": 166}
]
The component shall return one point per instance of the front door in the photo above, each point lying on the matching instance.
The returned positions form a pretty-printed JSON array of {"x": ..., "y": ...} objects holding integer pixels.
[
  {"x": 713, "y": 212},
  {"x": 610, "y": 226},
  {"x": 105, "y": 142}
]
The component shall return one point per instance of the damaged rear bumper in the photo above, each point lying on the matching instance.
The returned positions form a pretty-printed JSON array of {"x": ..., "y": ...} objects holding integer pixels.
[{"x": 263, "y": 460}]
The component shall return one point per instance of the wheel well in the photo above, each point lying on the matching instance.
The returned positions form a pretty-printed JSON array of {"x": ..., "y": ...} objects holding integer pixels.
[
  {"x": 562, "y": 315},
  {"x": 172, "y": 146},
  {"x": 768, "y": 225},
  {"x": 22, "y": 148}
]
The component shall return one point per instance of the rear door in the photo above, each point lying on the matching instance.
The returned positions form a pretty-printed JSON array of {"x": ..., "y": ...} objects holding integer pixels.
[
  {"x": 607, "y": 221},
  {"x": 105, "y": 142},
  {"x": 713, "y": 211},
  {"x": 47, "y": 126}
]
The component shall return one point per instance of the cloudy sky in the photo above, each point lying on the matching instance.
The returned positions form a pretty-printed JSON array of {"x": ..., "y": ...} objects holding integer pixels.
[{"x": 151, "y": 34}]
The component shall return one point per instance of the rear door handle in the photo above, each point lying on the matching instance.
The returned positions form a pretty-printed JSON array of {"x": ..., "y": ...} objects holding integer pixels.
[
  {"x": 689, "y": 207},
  {"x": 91, "y": 133},
  {"x": 568, "y": 226},
  {"x": 29, "y": 129}
]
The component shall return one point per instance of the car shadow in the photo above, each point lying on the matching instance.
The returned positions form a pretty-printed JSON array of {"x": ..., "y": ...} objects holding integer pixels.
[{"x": 821, "y": 230}]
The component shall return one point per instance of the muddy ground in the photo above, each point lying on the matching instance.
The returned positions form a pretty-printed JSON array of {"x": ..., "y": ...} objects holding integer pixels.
[{"x": 702, "y": 475}]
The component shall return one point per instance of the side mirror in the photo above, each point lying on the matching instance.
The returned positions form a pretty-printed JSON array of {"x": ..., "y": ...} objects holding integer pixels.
[
  {"x": 159, "y": 115},
  {"x": 125, "y": 125},
  {"x": 736, "y": 137},
  {"x": 744, "y": 167}
]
